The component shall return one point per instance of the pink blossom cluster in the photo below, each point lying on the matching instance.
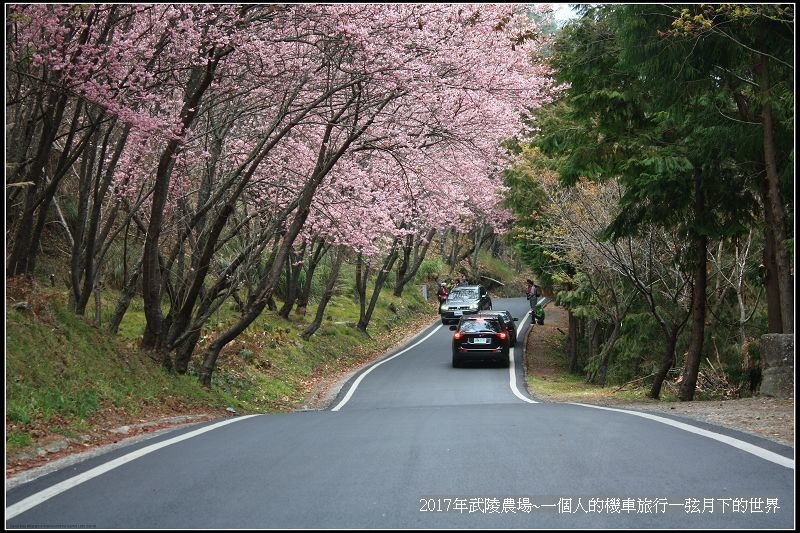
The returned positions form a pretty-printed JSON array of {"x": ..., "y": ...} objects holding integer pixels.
[{"x": 406, "y": 103}]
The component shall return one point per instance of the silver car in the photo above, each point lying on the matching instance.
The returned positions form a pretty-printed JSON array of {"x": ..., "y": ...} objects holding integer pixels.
[{"x": 464, "y": 300}]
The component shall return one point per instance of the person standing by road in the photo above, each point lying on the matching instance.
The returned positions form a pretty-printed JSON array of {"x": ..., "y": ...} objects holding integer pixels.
[
  {"x": 532, "y": 294},
  {"x": 442, "y": 294}
]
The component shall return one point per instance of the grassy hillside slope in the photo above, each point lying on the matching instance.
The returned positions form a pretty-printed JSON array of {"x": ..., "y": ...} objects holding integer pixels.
[{"x": 66, "y": 377}]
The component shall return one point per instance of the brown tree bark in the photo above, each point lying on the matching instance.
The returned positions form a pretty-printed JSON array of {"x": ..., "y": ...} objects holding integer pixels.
[
  {"x": 380, "y": 280},
  {"x": 408, "y": 268},
  {"x": 572, "y": 343},
  {"x": 326, "y": 297},
  {"x": 695, "y": 352},
  {"x": 775, "y": 204},
  {"x": 151, "y": 271},
  {"x": 667, "y": 362}
]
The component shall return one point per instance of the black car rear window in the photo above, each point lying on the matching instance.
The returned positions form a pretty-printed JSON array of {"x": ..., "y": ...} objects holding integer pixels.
[{"x": 476, "y": 326}]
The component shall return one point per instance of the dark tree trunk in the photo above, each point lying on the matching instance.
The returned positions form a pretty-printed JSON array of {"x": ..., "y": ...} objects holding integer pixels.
[
  {"x": 184, "y": 351},
  {"x": 317, "y": 255},
  {"x": 380, "y": 279},
  {"x": 409, "y": 272},
  {"x": 695, "y": 352},
  {"x": 125, "y": 299},
  {"x": 667, "y": 362},
  {"x": 151, "y": 270},
  {"x": 453, "y": 252},
  {"x": 572, "y": 343},
  {"x": 184, "y": 315},
  {"x": 326, "y": 297},
  {"x": 85, "y": 258},
  {"x": 294, "y": 265},
  {"x": 184, "y": 346},
  {"x": 775, "y": 205},
  {"x": 403, "y": 265},
  {"x": 22, "y": 258},
  {"x": 362, "y": 274},
  {"x": 212, "y": 352}
]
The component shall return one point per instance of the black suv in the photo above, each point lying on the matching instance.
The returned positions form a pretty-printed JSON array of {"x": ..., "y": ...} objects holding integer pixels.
[
  {"x": 464, "y": 300},
  {"x": 480, "y": 338}
]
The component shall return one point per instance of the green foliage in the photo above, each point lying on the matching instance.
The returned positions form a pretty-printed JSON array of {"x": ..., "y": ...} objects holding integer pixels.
[
  {"x": 634, "y": 353},
  {"x": 431, "y": 270},
  {"x": 664, "y": 101},
  {"x": 526, "y": 199},
  {"x": 579, "y": 298}
]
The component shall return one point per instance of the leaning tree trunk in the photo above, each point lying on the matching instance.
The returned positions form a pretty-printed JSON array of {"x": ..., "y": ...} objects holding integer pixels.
[
  {"x": 410, "y": 271},
  {"x": 125, "y": 298},
  {"x": 326, "y": 297},
  {"x": 23, "y": 250},
  {"x": 403, "y": 265},
  {"x": 294, "y": 265},
  {"x": 151, "y": 269},
  {"x": 380, "y": 279},
  {"x": 667, "y": 362},
  {"x": 305, "y": 291}
]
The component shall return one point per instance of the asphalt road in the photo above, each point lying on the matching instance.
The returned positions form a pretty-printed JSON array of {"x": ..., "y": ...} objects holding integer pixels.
[{"x": 415, "y": 443}]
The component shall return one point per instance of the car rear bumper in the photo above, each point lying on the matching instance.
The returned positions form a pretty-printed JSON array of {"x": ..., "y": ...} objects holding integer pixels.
[{"x": 481, "y": 353}]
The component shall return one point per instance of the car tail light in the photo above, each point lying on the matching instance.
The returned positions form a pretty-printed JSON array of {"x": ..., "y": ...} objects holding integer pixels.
[
  {"x": 502, "y": 335},
  {"x": 457, "y": 335}
]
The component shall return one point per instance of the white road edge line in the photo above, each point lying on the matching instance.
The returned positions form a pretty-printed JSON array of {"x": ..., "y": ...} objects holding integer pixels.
[
  {"x": 736, "y": 443},
  {"x": 355, "y": 384},
  {"x": 512, "y": 378},
  {"x": 40, "y": 497}
]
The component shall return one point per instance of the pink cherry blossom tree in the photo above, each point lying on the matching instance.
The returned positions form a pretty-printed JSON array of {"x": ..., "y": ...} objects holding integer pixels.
[{"x": 247, "y": 140}]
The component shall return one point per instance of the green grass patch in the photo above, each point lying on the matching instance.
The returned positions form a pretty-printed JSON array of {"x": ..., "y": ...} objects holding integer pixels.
[
  {"x": 18, "y": 440},
  {"x": 61, "y": 370}
]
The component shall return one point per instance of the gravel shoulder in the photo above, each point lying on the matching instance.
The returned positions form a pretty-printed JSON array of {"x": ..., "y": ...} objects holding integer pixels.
[{"x": 763, "y": 416}]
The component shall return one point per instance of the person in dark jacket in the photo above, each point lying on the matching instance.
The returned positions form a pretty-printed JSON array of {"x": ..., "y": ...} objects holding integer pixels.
[{"x": 532, "y": 294}]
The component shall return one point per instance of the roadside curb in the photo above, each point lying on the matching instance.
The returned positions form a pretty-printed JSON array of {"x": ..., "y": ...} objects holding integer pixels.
[{"x": 134, "y": 431}]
